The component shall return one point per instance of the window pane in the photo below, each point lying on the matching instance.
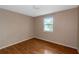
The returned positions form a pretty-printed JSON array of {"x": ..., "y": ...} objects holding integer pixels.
[
  {"x": 48, "y": 27},
  {"x": 48, "y": 20}
]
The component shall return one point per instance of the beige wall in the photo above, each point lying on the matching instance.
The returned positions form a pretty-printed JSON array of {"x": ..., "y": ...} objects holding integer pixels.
[
  {"x": 65, "y": 28},
  {"x": 78, "y": 29},
  {"x": 14, "y": 28}
]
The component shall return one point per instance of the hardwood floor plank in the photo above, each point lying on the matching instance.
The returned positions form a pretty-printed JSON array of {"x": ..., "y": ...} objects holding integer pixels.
[{"x": 37, "y": 46}]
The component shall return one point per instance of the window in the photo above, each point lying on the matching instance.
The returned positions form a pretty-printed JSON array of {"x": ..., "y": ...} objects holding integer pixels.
[{"x": 48, "y": 24}]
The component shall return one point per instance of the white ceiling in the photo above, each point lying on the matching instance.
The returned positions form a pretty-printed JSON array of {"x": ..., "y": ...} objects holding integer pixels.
[{"x": 36, "y": 10}]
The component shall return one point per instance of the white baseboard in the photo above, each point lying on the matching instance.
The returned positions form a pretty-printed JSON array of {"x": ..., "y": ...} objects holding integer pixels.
[
  {"x": 16, "y": 42},
  {"x": 56, "y": 42}
]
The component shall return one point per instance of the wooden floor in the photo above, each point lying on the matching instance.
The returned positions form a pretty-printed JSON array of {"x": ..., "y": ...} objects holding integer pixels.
[{"x": 37, "y": 46}]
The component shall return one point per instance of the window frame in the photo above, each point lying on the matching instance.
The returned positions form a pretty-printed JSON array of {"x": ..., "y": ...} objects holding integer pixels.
[{"x": 51, "y": 30}]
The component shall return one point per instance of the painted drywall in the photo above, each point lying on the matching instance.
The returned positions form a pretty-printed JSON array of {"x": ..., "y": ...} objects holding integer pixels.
[
  {"x": 65, "y": 28},
  {"x": 14, "y": 28},
  {"x": 78, "y": 30}
]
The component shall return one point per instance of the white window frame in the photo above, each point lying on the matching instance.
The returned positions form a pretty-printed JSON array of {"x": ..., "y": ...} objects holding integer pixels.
[{"x": 51, "y": 23}]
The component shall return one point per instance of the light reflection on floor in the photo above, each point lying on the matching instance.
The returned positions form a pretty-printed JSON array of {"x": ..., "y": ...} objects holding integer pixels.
[{"x": 47, "y": 52}]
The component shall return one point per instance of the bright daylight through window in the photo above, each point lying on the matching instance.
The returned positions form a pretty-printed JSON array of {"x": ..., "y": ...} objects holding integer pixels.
[{"x": 48, "y": 24}]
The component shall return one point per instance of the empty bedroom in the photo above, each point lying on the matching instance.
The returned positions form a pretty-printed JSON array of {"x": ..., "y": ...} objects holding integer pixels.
[{"x": 39, "y": 29}]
